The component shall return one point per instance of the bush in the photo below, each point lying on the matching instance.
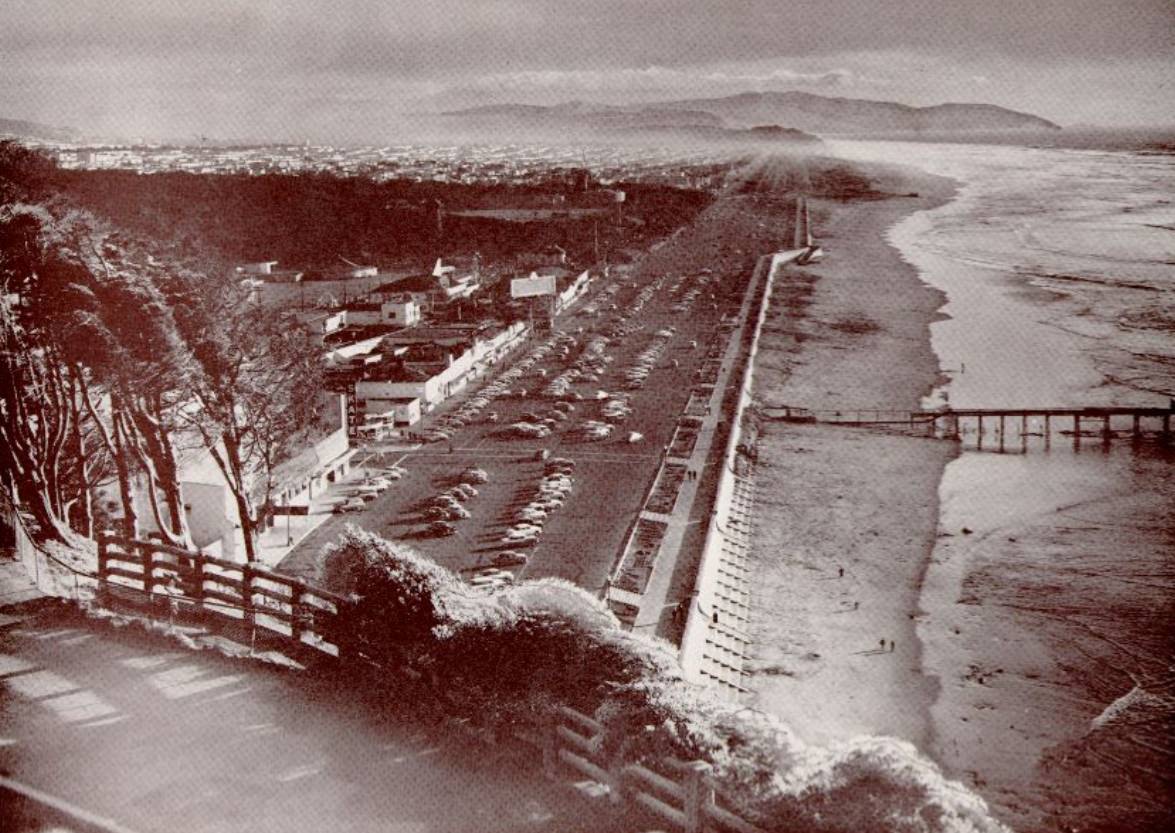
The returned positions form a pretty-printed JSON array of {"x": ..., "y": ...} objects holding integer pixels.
[{"x": 401, "y": 595}]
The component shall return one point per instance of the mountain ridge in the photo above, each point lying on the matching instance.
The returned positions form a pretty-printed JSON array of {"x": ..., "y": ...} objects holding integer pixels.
[{"x": 801, "y": 111}]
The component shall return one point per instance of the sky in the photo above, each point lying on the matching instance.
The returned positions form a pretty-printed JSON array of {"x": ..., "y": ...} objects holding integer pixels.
[{"x": 365, "y": 69}]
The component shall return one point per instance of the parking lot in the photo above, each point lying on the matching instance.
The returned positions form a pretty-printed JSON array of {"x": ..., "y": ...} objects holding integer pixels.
[{"x": 604, "y": 390}]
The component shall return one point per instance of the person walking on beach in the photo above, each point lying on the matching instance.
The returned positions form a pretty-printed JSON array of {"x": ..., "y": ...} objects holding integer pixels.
[
  {"x": 891, "y": 646},
  {"x": 842, "y": 572}
]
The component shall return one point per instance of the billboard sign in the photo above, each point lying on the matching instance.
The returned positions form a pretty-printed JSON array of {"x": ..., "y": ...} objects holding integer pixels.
[{"x": 532, "y": 286}]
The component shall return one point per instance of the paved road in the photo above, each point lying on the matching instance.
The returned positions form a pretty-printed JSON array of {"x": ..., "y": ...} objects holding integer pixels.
[{"x": 137, "y": 729}]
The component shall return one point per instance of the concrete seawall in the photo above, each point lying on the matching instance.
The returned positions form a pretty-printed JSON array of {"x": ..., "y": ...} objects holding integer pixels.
[{"x": 715, "y": 638}]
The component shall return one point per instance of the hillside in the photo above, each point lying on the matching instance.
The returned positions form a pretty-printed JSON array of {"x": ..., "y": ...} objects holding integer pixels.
[
  {"x": 577, "y": 115},
  {"x": 237, "y": 218},
  {"x": 805, "y": 113},
  {"x": 821, "y": 114}
]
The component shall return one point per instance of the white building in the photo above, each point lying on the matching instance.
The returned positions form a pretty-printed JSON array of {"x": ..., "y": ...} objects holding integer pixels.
[
  {"x": 397, "y": 311},
  {"x": 432, "y": 385}
]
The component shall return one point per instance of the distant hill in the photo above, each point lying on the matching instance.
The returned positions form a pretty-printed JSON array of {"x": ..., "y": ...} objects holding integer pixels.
[
  {"x": 802, "y": 112},
  {"x": 578, "y": 114},
  {"x": 603, "y": 121},
  {"x": 828, "y": 115},
  {"x": 33, "y": 130},
  {"x": 771, "y": 134}
]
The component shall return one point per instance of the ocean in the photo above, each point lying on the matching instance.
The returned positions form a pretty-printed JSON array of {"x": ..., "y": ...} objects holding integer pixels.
[{"x": 1047, "y": 611}]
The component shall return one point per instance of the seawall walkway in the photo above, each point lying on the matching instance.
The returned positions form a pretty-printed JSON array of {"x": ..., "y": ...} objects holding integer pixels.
[
  {"x": 669, "y": 583},
  {"x": 715, "y": 643}
]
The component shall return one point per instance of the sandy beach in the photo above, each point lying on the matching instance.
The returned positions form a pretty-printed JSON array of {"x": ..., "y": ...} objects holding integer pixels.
[{"x": 849, "y": 332}]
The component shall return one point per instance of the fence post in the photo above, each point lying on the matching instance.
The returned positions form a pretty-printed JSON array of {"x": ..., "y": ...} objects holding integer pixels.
[
  {"x": 550, "y": 738},
  {"x": 196, "y": 590},
  {"x": 247, "y": 595},
  {"x": 616, "y": 773},
  {"x": 102, "y": 544},
  {"x": 147, "y": 559},
  {"x": 297, "y": 610},
  {"x": 698, "y": 795}
]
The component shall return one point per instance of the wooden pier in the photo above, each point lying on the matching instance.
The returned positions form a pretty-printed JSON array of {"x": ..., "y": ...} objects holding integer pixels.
[{"x": 1001, "y": 427}]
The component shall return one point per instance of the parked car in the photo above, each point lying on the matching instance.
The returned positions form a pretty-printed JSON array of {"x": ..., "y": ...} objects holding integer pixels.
[
  {"x": 439, "y": 529},
  {"x": 474, "y": 476},
  {"x": 509, "y": 558},
  {"x": 351, "y": 504}
]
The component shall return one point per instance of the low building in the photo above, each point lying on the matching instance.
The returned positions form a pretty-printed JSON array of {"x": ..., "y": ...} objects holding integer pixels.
[
  {"x": 432, "y": 364},
  {"x": 265, "y": 271},
  {"x": 379, "y": 416},
  {"x": 444, "y": 285}
]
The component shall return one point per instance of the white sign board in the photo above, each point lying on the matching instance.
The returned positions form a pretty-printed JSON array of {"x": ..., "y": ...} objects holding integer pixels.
[{"x": 532, "y": 286}]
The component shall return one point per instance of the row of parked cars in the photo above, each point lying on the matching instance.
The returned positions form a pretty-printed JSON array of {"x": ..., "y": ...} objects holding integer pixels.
[
  {"x": 361, "y": 492},
  {"x": 446, "y": 507},
  {"x": 589, "y": 367},
  {"x": 561, "y": 343},
  {"x": 636, "y": 375},
  {"x": 526, "y": 522}
]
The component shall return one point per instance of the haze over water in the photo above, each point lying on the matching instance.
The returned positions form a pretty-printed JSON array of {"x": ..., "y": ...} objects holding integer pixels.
[{"x": 1056, "y": 566}]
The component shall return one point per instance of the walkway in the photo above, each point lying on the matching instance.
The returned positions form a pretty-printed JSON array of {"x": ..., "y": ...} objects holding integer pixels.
[
  {"x": 134, "y": 728},
  {"x": 663, "y": 591}
]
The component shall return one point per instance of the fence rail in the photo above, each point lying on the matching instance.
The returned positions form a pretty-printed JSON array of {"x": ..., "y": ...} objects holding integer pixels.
[
  {"x": 679, "y": 792},
  {"x": 225, "y": 594}
]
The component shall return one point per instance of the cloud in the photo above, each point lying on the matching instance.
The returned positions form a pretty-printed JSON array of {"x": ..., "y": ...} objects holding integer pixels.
[{"x": 240, "y": 68}]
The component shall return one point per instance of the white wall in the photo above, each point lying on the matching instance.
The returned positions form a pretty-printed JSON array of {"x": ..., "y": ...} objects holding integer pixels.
[{"x": 402, "y": 313}]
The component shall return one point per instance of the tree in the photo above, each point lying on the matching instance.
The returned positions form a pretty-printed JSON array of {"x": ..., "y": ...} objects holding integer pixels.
[
  {"x": 256, "y": 389},
  {"x": 39, "y": 418},
  {"x": 94, "y": 361}
]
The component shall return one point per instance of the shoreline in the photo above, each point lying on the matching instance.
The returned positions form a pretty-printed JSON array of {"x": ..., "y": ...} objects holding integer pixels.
[{"x": 818, "y": 661}]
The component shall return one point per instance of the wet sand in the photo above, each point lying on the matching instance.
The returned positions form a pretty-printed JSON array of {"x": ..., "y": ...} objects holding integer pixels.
[
  {"x": 850, "y": 332},
  {"x": 1048, "y": 627}
]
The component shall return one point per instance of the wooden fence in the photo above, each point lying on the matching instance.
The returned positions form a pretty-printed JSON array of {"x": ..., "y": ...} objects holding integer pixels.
[
  {"x": 679, "y": 792},
  {"x": 243, "y": 599}
]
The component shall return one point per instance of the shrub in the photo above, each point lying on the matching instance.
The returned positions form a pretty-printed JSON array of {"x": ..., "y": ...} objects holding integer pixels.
[{"x": 401, "y": 595}]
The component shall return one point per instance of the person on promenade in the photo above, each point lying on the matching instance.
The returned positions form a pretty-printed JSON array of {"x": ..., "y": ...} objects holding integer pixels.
[
  {"x": 883, "y": 644},
  {"x": 891, "y": 646}
]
